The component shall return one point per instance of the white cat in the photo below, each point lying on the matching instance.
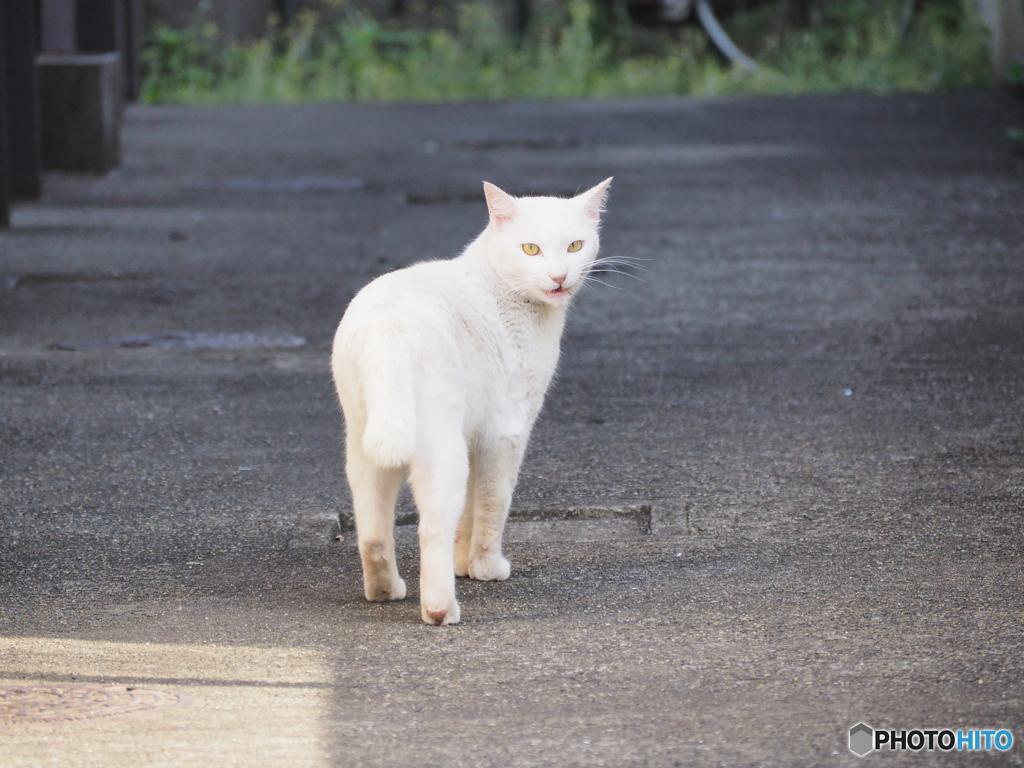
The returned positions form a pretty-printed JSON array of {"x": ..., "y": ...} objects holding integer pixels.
[{"x": 441, "y": 369}]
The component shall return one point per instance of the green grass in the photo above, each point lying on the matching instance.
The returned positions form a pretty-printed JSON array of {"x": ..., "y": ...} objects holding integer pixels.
[{"x": 572, "y": 51}]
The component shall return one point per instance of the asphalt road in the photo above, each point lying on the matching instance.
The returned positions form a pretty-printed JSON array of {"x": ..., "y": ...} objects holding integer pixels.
[{"x": 814, "y": 380}]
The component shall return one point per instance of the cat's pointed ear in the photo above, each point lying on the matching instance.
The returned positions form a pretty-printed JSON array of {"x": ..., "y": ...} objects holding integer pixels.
[
  {"x": 500, "y": 205},
  {"x": 593, "y": 199}
]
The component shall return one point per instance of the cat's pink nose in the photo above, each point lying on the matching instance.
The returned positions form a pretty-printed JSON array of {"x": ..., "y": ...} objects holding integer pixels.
[{"x": 559, "y": 279}]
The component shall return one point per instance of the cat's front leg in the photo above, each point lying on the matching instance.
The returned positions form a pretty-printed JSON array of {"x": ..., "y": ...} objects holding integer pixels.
[
  {"x": 437, "y": 579},
  {"x": 496, "y": 468}
]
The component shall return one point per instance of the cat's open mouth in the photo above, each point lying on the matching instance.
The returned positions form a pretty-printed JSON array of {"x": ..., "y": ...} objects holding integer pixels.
[{"x": 559, "y": 292}]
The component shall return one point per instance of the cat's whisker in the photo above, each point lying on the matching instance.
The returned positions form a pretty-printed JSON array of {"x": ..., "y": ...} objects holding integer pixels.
[
  {"x": 588, "y": 280},
  {"x": 610, "y": 268},
  {"x": 620, "y": 260},
  {"x": 621, "y": 256},
  {"x": 617, "y": 266},
  {"x": 634, "y": 259},
  {"x": 516, "y": 283},
  {"x": 513, "y": 287},
  {"x": 617, "y": 262},
  {"x": 611, "y": 271},
  {"x": 518, "y": 280}
]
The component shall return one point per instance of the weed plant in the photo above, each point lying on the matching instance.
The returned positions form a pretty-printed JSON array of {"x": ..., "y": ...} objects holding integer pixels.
[{"x": 579, "y": 49}]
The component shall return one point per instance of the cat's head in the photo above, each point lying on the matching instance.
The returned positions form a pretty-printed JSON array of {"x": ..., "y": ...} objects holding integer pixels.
[{"x": 543, "y": 247}]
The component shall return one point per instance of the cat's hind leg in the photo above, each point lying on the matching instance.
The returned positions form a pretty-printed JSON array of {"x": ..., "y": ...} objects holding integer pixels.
[
  {"x": 464, "y": 531},
  {"x": 374, "y": 493},
  {"x": 496, "y": 469},
  {"x": 439, "y": 473}
]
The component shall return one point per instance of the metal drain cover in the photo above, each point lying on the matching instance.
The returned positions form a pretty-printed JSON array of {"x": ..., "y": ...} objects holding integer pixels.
[{"x": 56, "y": 703}]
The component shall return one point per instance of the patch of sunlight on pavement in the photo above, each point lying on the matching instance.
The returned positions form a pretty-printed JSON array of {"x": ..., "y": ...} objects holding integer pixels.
[{"x": 221, "y": 705}]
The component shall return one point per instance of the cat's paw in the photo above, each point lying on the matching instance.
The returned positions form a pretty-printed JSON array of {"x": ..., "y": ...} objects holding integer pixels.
[
  {"x": 443, "y": 615},
  {"x": 380, "y": 577},
  {"x": 490, "y": 568},
  {"x": 382, "y": 590}
]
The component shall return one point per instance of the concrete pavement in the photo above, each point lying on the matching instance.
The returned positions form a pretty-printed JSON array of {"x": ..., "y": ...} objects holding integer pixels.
[{"x": 815, "y": 382}]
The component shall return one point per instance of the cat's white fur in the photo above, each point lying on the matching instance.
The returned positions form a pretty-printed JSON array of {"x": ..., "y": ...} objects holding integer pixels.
[{"x": 441, "y": 369}]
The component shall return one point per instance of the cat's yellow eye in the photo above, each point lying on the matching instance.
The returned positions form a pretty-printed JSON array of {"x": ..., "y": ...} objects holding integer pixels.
[
  {"x": 575, "y": 245},
  {"x": 531, "y": 249}
]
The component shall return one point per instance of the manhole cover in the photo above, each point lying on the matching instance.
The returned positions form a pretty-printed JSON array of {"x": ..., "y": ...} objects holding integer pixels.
[{"x": 56, "y": 703}]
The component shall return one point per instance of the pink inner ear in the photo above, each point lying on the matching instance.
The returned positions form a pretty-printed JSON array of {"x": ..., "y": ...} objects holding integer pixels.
[
  {"x": 501, "y": 216},
  {"x": 500, "y": 205},
  {"x": 594, "y": 199}
]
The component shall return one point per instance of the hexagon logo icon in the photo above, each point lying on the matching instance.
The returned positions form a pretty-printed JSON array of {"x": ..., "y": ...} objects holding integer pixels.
[{"x": 862, "y": 737}]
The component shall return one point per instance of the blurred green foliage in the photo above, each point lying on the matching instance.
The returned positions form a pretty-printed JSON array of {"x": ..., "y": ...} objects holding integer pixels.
[
  {"x": 1014, "y": 74},
  {"x": 579, "y": 49}
]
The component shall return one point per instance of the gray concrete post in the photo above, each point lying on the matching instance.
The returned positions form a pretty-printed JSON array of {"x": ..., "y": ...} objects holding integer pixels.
[
  {"x": 81, "y": 110},
  {"x": 1005, "y": 20},
  {"x": 59, "y": 22},
  {"x": 105, "y": 26},
  {"x": 135, "y": 36},
  {"x": 5, "y": 208},
  {"x": 22, "y": 97}
]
